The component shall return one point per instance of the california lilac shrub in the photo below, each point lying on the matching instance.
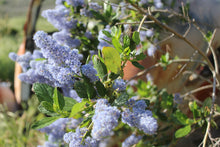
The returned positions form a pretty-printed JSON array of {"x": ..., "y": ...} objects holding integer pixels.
[{"x": 78, "y": 76}]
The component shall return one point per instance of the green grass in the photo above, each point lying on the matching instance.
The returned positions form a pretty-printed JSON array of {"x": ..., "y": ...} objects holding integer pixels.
[{"x": 15, "y": 128}]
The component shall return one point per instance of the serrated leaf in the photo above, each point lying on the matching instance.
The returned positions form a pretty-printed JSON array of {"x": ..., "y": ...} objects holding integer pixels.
[
  {"x": 45, "y": 107},
  {"x": 136, "y": 37},
  {"x": 58, "y": 99},
  {"x": 112, "y": 59},
  {"x": 44, "y": 122},
  {"x": 69, "y": 103},
  {"x": 122, "y": 99},
  {"x": 100, "y": 67},
  {"x": 138, "y": 65},
  {"x": 183, "y": 131},
  {"x": 44, "y": 92},
  {"x": 117, "y": 44},
  {"x": 100, "y": 88},
  {"x": 78, "y": 108},
  {"x": 79, "y": 87}
]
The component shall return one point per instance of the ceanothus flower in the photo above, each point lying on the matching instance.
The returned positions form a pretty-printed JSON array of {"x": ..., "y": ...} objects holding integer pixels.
[
  {"x": 131, "y": 140},
  {"x": 64, "y": 38},
  {"x": 119, "y": 85},
  {"x": 59, "y": 18},
  {"x": 95, "y": 6},
  {"x": 74, "y": 139},
  {"x": 105, "y": 119},
  {"x": 56, "y": 130},
  {"x": 89, "y": 72},
  {"x": 23, "y": 60},
  {"x": 57, "y": 54},
  {"x": 139, "y": 117},
  {"x": 149, "y": 33},
  {"x": 76, "y": 3},
  {"x": 151, "y": 50}
]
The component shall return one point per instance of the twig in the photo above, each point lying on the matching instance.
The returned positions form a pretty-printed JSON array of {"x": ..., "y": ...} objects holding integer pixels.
[
  {"x": 213, "y": 52},
  {"x": 178, "y": 35},
  {"x": 201, "y": 77},
  {"x": 212, "y": 110},
  {"x": 165, "y": 39},
  {"x": 145, "y": 22},
  {"x": 141, "y": 23},
  {"x": 197, "y": 90},
  {"x": 159, "y": 64}
]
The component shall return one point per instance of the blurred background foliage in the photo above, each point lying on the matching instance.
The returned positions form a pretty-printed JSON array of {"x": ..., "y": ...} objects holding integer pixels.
[{"x": 15, "y": 128}]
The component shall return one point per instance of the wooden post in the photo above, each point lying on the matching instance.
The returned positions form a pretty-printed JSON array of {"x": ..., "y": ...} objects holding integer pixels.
[{"x": 21, "y": 89}]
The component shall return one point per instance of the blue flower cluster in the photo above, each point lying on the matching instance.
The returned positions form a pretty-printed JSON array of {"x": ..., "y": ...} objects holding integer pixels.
[
  {"x": 56, "y": 130},
  {"x": 74, "y": 139},
  {"x": 92, "y": 6},
  {"x": 59, "y": 18},
  {"x": 104, "y": 120},
  {"x": 151, "y": 50},
  {"x": 24, "y": 60},
  {"x": 119, "y": 85},
  {"x": 64, "y": 38},
  {"x": 57, "y": 69},
  {"x": 139, "y": 117},
  {"x": 131, "y": 140},
  {"x": 89, "y": 71}
]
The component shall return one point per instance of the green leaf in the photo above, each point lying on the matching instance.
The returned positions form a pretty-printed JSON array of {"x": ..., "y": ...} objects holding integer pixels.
[
  {"x": 114, "y": 31},
  {"x": 87, "y": 121},
  {"x": 112, "y": 59},
  {"x": 140, "y": 56},
  {"x": 136, "y": 37},
  {"x": 78, "y": 108},
  {"x": 183, "y": 131},
  {"x": 167, "y": 100},
  {"x": 69, "y": 103},
  {"x": 123, "y": 97},
  {"x": 207, "y": 103},
  {"x": 113, "y": 76},
  {"x": 165, "y": 58},
  {"x": 44, "y": 122},
  {"x": 194, "y": 108},
  {"x": 58, "y": 99},
  {"x": 126, "y": 41},
  {"x": 181, "y": 118},
  {"x": 91, "y": 92},
  {"x": 40, "y": 59},
  {"x": 79, "y": 86},
  {"x": 138, "y": 65},
  {"x": 117, "y": 44},
  {"x": 100, "y": 67},
  {"x": 100, "y": 88},
  {"x": 107, "y": 33},
  {"x": 45, "y": 107},
  {"x": 43, "y": 92},
  {"x": 99, "y": 16}
]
